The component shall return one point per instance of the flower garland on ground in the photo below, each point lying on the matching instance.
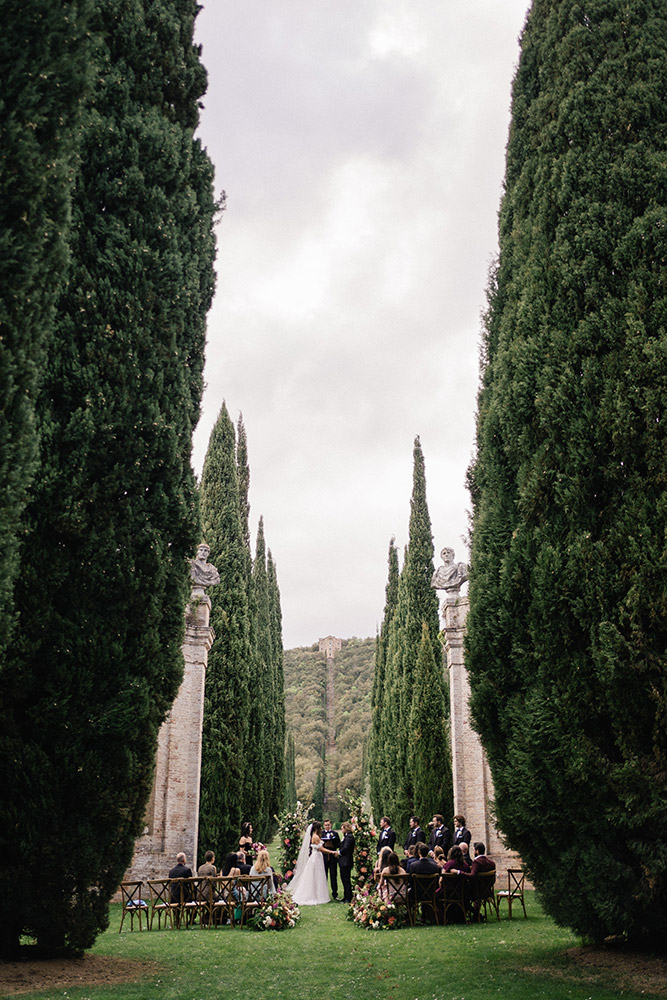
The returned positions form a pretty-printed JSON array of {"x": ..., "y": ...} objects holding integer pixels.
[
  {"x": 291, "y": 827},
  {"x": 365, "y": 837},
  {"x": 276, "y": 914},
  {"x": 369, "y": 910}
]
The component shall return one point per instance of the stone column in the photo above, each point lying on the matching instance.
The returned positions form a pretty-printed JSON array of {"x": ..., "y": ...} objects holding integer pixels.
[
  {"x": 172, "y": 816},
  {"x": 473, "y": 785}
]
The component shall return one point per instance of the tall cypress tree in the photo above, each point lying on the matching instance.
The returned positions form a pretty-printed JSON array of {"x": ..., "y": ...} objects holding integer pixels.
[
  {"x": 411, "y": 604},
  {"x": 289, "y": 800},
  {"x": 420, "y": 605},
  {"x": 568, "y": 619},
  {"x": 44, "y": 55},
  {"x": 380, "y": 744},
  {"x": 277, "y": 730},
  {"x": 97, "y": 660},
  {"x": 227, "y": 697},
  {"x": 260, "y": 751},
  {"x": 429, "y": 746}
]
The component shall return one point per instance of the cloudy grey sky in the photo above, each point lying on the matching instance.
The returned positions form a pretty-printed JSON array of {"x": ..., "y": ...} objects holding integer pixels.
[{"x": 361, "y": 145}]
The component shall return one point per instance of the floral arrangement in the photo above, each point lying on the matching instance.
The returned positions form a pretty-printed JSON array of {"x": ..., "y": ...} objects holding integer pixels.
[
  {"x": 369, "y": 910},
  {"x": 291, "y": 826},
  {"x": 365, "y": 837},
  {"x": 276, "y": 914},
  {"x": 252, "y": 851}
]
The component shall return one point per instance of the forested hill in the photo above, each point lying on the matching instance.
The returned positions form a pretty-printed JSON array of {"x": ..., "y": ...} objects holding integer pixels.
[{"x": 329, "y": 751}]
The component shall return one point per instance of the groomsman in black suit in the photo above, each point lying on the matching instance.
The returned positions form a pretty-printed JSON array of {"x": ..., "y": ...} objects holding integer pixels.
[
  {"x": 345, "y": 860},
  {"x": 331, "y": 841},
  {"x": 415, "y": 836},
  {"x": 387, "y": 836},
  {"x": 440, "y": 835},
  {"x": 460, "y": 832}
]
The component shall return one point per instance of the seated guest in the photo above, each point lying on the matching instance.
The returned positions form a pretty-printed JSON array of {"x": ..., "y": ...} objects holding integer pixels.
[
  {"x": 242, "y": 862},
  {"x": 230, "y": 866},
  {"x": 392, "y": 867},
  {"x": 456, "y": 862},
  {"x": 481, "y": 863},
  {"x": 424, "y": 865},
  {"x": 439, "y": 856},
  {"x": 230, "y": 869},
  {"x": 207, "y": 870},
  {"x": 262, "y": 867},
  {"x": 382, "y": 860},
  {"x": 180, "y": 870},
  {"x": 465, "y": 851},
  {"x": 411, "y": 857}
]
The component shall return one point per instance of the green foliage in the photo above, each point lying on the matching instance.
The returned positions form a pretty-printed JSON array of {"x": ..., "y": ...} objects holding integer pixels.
[
  {"x": 277, "y": 914},
  {"x": 370, "y": 910},
  {"x": 365, "y": 839},
  {"x": 381, "y": 734},
  {"x": 112, "y": 515},
  {"x": 429, "y": 743},
  {"x": 44, "y": 55},
  {"x": 290, "y": 774},
  {"x": 568, "y": 619},
  {"x": 291, "y": 828},
  {"x": 266, "y": 749},
  {"x": 225, "y": 735},
  {"x": 411, "y": 604},
  {"x": 305, "y": 707}
]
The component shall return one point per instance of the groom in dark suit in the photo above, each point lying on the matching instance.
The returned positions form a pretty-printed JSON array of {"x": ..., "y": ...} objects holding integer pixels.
[
  {"x": 331, "y": 841},
  {"x": 345, "y": 858}
]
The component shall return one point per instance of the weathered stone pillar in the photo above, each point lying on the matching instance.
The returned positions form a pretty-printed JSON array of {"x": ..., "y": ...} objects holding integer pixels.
[
  {"x": 172, "y": 816},
  {"x": 473, "y": 785}
]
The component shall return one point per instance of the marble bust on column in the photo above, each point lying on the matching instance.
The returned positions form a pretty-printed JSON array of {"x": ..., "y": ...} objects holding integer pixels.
[
  {"x": 450, "y": 576},
  {"x": 202, "y": 573}
]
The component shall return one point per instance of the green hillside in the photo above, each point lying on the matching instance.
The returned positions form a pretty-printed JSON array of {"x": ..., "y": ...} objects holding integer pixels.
[{"x": 335, "y": 757}]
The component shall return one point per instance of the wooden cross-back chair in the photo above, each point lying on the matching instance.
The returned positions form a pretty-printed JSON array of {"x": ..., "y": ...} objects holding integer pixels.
[
  {"x": 424, "y": 897},
  {"x": 134, "y": 904},
  {"x": 254, "y": 893},
  {"x": 396, "y": 889},
  {"x": 513, "y": 893},
  {"x": 226, "y": 898},
  {"x": 482, "y": 895},
  {"x": 161, "y": 903},
  {"x": 454, "y": 900}
]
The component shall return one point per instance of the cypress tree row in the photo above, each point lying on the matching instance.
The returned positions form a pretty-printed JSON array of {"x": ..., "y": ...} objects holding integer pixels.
[
  {"x": 380, "y": 742},
  {"x": 411, "y": 604},
  {"x": 568, "y": 623},
  {"x": 260, "y": 756},
  {"x": 289, "y": 799},
  {"x": 278, "y": 692},
  {"x": 227, "y": 696},
  {"x": 112, "y": 516},
  {"x": 44, "y": 52},
  {"x": 429, "y": 747}
]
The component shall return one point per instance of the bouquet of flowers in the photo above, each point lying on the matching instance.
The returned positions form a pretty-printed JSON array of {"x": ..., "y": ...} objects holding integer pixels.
[
  {"x": 276, "y": 914},
  {"x": 369, "y": 910},
  {"x": 290, "y": 834},
  {"x": 365, "y": 837}
]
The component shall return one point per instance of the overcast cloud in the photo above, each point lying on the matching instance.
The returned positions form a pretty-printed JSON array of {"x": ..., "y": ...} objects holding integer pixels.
[{"x": 361, "y": 145}]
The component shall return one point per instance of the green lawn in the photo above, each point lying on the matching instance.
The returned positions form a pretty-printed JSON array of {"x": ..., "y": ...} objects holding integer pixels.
[{"x": 326, "y": 957}]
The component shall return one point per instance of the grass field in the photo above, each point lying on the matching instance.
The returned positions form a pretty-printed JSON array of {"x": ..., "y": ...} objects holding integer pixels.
[{"x": 326, "y": 957}]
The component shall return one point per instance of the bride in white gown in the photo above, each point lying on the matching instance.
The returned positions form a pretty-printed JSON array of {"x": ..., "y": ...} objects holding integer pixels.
[{"x": 309, "y": 885}]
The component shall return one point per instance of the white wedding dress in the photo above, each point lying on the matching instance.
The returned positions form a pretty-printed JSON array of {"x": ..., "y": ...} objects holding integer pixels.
[{"x": 309, "y": 885}]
